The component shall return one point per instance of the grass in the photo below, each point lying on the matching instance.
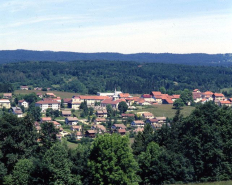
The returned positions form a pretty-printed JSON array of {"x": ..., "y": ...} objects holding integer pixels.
[
  {"x": 72, "y": 145},
  {"x": 57, "y": 93},
  {"x": 213, "y": 183},
  {"x": 165, "y": 110}
]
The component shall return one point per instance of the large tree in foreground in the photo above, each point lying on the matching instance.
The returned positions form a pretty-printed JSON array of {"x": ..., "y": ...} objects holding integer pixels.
[{"x": 111, "y": 161}]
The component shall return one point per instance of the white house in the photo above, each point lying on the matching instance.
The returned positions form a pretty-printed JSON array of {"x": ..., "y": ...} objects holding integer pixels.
[
  {"x": 23, "y": 103},
  {"x": 4, "y": 103},
  {"x": 45, "y": 104},
  {"x": 17, "y": 111}
]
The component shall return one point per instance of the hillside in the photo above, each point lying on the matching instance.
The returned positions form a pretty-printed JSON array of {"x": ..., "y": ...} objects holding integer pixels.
[{"x": 7, "y": 56}]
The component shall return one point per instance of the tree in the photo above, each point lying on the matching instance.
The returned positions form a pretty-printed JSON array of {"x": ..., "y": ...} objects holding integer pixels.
[
  {"x": 109, "y": 110},
  {"x": 186, "y": 96},
  {"x": 162, "y": 90},
  {"x": 59, "y": 165},
  {"x": 111, "y": 161},
  {"x": 21, "y": 172},
  {"x": 34, "y": 112},
  {"x": 178, "y": 103},
  {"x": 122, "y": 107},
  {"x": 48, "y": 135}
]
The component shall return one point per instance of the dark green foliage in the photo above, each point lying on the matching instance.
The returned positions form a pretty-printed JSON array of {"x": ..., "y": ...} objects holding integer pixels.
[
  {"x": 48, "y": 135},
  {"x": 177, "y": 104},
  {"x": 90, "y": 77},
  {"x": 122, "y": 107},
  {"x": 34, "y": 112},
  {"x": 17, "y": 140},
  {"x": 111, "y": 161},
  {"x": 6, "y": 87},
  {"x": 186, "y": 96}
]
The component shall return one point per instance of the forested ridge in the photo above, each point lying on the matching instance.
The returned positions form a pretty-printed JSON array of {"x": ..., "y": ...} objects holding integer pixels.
[
  {"x": 7, "y": 56},
  {"x": 193, "y": 149},
  {"x": 90, "y": 77}
]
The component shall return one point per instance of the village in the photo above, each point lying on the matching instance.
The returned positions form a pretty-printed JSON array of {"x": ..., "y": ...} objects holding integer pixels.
[{"x": 72, "y": 124}]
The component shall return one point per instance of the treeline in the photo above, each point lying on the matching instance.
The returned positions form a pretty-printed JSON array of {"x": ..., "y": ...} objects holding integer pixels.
[
  {"x": 90, "y": 77},
  {"x": 6, "y": 87},
  {"x": 8, "y": 56},
  {"x": 193, "y": 149}
]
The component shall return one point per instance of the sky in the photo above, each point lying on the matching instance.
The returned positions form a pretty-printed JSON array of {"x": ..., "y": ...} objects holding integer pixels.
[{"x": 124, "y": 26}]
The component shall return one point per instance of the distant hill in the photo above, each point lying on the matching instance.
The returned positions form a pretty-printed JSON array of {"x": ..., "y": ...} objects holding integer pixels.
[{"x": 8, "y": 56}]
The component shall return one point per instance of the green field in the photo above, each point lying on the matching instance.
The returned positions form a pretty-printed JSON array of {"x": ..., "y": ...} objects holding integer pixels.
[
  {"x": 57, "y": 93},
  {"x": 165, "y": 110},
  {"x": 71, "y": 145}
]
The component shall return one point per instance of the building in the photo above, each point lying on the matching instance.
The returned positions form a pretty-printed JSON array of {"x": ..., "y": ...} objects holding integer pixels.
[
  {"x": 76, "y": 128},
  {"x": 71, "y": 120},
  {"x": 99, "y": 120},
  {"x": 66, "y": 113},
  {"x": 7, "y": 95},
  {"x": 17, "y": 111},
  {"x": 101, "y": 113},
  {"x": 24, "y": 87},
  {"x": 45, "y": 119},
  {"x": 148, "y": 115},
  {"x": 137, "y": 123},
  {"x": 5, "y": 103},
  {"x": 49, "y": 103},
  {"x": 90, "y": 133},
  {"x": 23, "y": 103}
]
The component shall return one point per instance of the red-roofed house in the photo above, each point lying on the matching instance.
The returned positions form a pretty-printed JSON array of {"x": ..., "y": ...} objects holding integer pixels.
[
  {"x": 138, "y": 123},
  {"x": 124, "y": 95},
  {"x": 45, "y": 104},
  {"x": 154, "y": 93},
  {"x": 7, "y": 95},
  {"x": 113, "y": 103},
  {"x": 148, "y": 115},
  {"x": 99, "y": 120},
  {"x": 24, "y": 87},
  {"x": 45, "y": 119},
  {"x": 167, "y": 101},
  {"x": 226, "y": 103},
  {"x": 91, "y": 100},
  {"x": 121, "y": 131},
  {"x": 218, "y": 96}
]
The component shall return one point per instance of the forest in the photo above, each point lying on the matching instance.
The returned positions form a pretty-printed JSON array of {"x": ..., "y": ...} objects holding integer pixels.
[
  {"x": 7, "y": 56},
  {"x": 90, "y": 77},
  {"x": 196, "y": 148}
]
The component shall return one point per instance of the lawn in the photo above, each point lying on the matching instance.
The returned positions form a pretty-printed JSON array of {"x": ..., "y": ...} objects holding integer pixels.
[
  {"x": 57, "y": 93},
  {"x": 165, "y": 110},
  {"x": 71, "y": 145}
]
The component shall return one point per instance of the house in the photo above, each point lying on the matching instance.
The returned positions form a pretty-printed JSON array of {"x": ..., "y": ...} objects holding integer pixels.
[
  {"x": 23, "y": 103},
  {"x": 99, "y": 120},
  {"x": 99, "y": 128},
  {"x": 218, "y": 96},
  {"x": 49, "y": 103},
  {"x": 5, "y": 103},
  {"x": 78, "y": 135},
  {"x": 156, "y": 126},
  {"x": 90, "y": 133},
  {"x": 139, "y": 129},
  {"x": 66, "y": 113},
  {"x": 147, "y": 115},
  {"x": 45, "y": 119},
  {"x": 7, "y": 95},
  {"x": 121, "y": 131},
  {"x": 137, "y": 123},
  {"x": 174, "y": 97},
  {"x": 56, "y": 124},
  {"x": 161, "y": 119},
  {"x": 101, "y": 113},
  {"x": 148, "y": 98},
  {"x": 52, "y": 95},
  {"x": 17, "y": 111},
  {"x": 196, "y": 90},
  {"x": 226, "y": 103},
  {"x": 154, "y": 93},
  {"x": 124, "y": 95},
  {"x": 74, "y": 103},
  {"x": 158, "y": 98},
  {"x": 197, "y": 97},
  {"x": 76, "y": 128},
  {"x": 91, "y": 100},
  {"x": 40, "y": 95},
  {"x": 68, "y": 102},
  {"x": 167, "y": 101},
  {"x": 152, "y": 121},
  {"x": 24, "y": 87},
  {"x": 38, "y": 88},
  {"x": 113, "y": 103},
  {"x": 118, "y": 126},
  {"x": 127, "y": 115},
  {"x": 207, "y": 95},
  {"x": 71, "y": 120}
]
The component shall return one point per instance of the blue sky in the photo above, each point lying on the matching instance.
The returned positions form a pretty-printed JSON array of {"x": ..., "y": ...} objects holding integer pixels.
[{"x": 125, "y": 26}]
